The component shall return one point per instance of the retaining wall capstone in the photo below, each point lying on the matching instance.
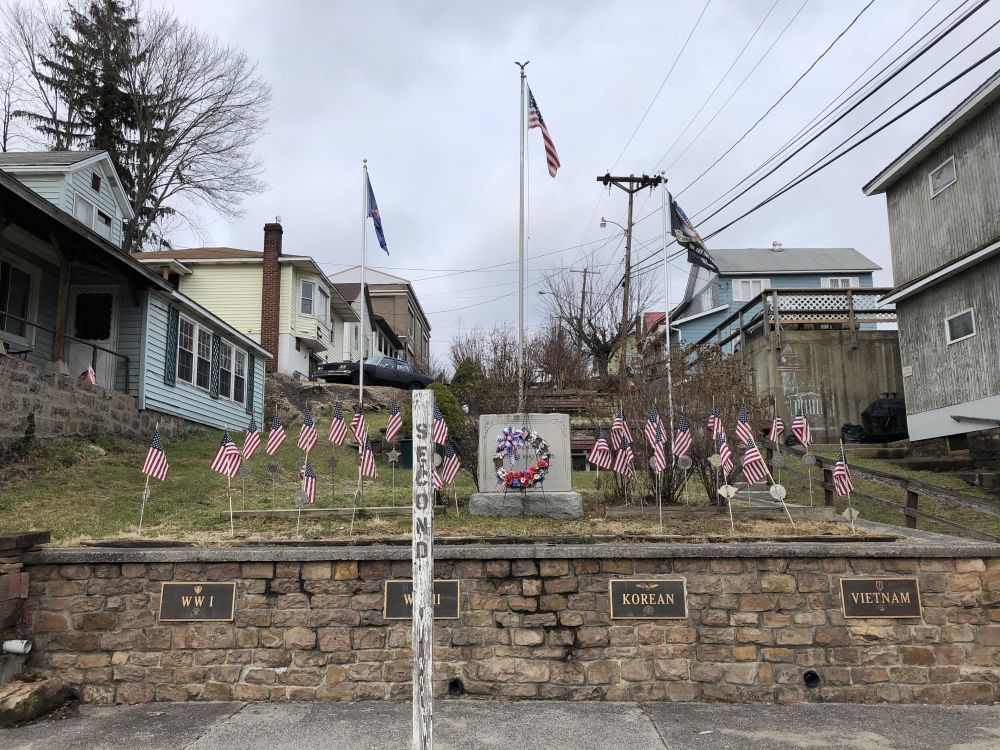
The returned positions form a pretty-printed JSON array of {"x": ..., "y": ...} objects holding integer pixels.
[{"x": 534, "y": 624}]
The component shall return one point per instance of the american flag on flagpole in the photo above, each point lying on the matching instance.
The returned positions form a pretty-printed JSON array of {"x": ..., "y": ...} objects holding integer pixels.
[
  {"x": 275, "y": 437},
  {"x": 744, "y": 431},
  {"x": 620, "y": 429},
  {"x": 451, "y": 465},
  {"x": 777, "y": 429},
  {"x": 227, "y": 458},
  {"x": 535, "y": 121},
  {"x": 801, "y": 430},
  {"x": 358, "y": 425},
  {"x": 653, "y": 426},
  {"x": 842, "y": 482},
  {"x": 724, "y": 453},
  {"x": 715, "y": 423},
  {"x": 600, "y": 454},
  {"x": 251, "y": 440},
  {"x": 368, "y": 468},
  {"x": 440, "y": 427},
  {"x": 501, "y": 485},
  {"x": 754, "y": 468},
  {"x": 338, "y": 430},
  {"x": 682, "y": 439},
  {"x": 309, "y": 483},
  {"x": 395, "y": 421},
  {"x": 307, "y": 435},
  {"x": 625, "y": 459},
  {"x": 156, "y": 465},
  {"x": 659, "y": 459}
]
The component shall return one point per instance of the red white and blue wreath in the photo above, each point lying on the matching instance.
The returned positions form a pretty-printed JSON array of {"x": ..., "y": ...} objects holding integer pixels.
[{"x": 510, "y": 442}]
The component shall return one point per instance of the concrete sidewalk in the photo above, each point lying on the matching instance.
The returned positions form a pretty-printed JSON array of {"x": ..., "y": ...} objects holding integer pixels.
[{"x": 528, "y": 725}]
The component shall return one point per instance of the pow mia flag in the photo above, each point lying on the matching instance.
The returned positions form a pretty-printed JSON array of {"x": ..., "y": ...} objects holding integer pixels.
[{"x": 688, "y": 238}]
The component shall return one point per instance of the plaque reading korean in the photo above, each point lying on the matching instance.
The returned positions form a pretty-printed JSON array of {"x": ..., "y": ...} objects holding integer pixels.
[
  {"x": 398, "y": 599},
  {"x": 662, "y": 599},
  {"x": 880, "y": 597},
  {"x": 197, "y": 601}
]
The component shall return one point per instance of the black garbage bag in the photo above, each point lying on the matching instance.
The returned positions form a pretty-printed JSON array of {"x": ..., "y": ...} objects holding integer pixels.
[
  {"x": 885, "y": 419},
  {"x": 853, "y": 433}
]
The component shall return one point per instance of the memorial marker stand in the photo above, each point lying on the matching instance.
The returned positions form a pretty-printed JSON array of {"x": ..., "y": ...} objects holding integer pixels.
[{"x": 423, "y": 570}]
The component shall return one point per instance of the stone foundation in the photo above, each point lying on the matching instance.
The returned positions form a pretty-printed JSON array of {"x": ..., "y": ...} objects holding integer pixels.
[{"x": 534, "y": 623}]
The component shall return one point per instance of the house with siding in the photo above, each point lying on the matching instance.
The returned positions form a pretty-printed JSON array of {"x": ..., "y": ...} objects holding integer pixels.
[
  {"x": 283, "y": 302},
  {"x": 71, "y": 300},
  {"x": 395, "y": 301},
  {"x": 379, "y": 337},
  {"x": 943, "y": 199}
]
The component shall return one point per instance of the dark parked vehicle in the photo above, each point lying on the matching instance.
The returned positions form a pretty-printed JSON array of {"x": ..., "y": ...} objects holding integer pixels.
[{"x": 378, "y": 371}]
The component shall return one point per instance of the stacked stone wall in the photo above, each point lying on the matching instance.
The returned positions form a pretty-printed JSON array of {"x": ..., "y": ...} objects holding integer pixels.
[{"x": 530, "y": 628}]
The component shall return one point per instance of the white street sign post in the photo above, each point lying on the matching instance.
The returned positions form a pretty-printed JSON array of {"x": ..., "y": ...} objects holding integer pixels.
[{"x": 423, "y": 570}]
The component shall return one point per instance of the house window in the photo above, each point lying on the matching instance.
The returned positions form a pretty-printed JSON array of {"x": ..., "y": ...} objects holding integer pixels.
[
  {"x": 204, "y": 368},
  {"x": 840, "y": 282},
  {"x": 95, "y": 182},
  {"x": 240, "y": 377},
  {"x": 960, "y": 326},
  {"x": 83, "y": 211},
  {"x": 185, "y": 350},
  {"x": 103, "y": 225},
  {"x": 225, "y": 370},
  {"x": 943, "y": 177},
  {"x": 745, "y": 290},
  {"x": 15, "y": 300},
  {"x": 323, "y": 313},
  {"x": 308, "y": 292}
]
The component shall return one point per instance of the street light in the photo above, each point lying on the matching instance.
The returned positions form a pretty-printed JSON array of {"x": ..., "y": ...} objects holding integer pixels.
[{"x": 605, "y": 222}]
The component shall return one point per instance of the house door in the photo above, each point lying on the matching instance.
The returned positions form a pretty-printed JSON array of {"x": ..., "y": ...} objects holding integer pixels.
[{"x": 93, "y": 319}]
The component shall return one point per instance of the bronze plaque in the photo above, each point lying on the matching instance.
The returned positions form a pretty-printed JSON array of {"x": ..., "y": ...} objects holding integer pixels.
[
  {"x": 880, "y": 597},
  {"x": 662, "y": 599},
  {"x": 398, "y": 599},
  {"x": 197, "y": 601}
]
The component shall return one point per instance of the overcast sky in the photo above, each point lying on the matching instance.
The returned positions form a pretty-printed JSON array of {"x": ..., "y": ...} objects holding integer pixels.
[{"x": 428, "y": 93}]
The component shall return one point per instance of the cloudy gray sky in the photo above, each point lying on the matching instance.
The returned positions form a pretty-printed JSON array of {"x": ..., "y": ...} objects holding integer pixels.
[{"x": 428, "y": 93}]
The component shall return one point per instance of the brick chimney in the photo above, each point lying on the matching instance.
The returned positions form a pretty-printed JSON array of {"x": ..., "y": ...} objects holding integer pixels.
[{"x": 271, "y": 293}]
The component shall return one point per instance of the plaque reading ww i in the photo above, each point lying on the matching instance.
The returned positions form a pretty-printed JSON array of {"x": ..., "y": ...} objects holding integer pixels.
[
  {"x": 197, "y": 601},
  {"x": 880, "y": 597},
  {"x": 398, "y": 600},
  {"x": 664, "y": 599}
]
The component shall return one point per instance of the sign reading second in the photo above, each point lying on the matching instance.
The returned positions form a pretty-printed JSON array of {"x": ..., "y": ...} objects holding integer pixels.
[
  {"x": 197, "y": 601},
  {"x": 664, "y": 599},
  {"x": 398, "y": 600}
]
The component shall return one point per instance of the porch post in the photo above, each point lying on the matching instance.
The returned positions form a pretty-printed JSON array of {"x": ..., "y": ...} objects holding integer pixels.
[{"x": 57, "y": 362}]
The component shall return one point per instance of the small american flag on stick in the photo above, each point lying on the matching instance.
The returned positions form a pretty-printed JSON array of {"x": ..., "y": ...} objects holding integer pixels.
[
  {"x": 440, "y": 427},
  {"x": 309, "y": 483},
  {"x": 338, "y": 430},
  {"x": 451, "y": 465},
  {"x": 659, "y": 459},
  {"x": 620, "y": 429},
  {"x": 743, "y": 429},
  {"x": 801, "y": 430},
  {"x": 842, "y": 476},
  {"x": 395, "y": 421},
  {"x": 600, "y": 454},
  {"x": 715, "y": 423},
  {"x": 275, "y": 437},
  {"x": 156, "y": 465},
  {"x": 252, "y": 439},
  {"x": 754, "y": 468},
  {"x": 307, "y": 435},
  {"x": 625, "y": 459},
  {"x": 227, "y": 458},
  {"x": 358, "y": 425},
  {"x": 777, "y": 429},
  {"x": 653, "y": 427},
  {"x": 682, "y": 440},
  {"x": 535, "y": 121},
  {"x": 368, "y": 468},
  {"x": 724, "y": 453}
]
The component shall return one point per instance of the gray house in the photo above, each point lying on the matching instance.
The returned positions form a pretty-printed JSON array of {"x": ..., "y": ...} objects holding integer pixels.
[{"x": 943, "y": 196}]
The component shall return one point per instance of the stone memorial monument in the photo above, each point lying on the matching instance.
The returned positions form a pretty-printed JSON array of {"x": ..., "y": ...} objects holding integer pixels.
[{"x": 530, "y": 440}]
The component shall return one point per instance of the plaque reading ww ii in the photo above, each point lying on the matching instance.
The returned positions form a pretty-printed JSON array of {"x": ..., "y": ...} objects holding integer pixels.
[
  {"x": 398, "y": 600},
  {"x": 880, "y": 597},
  {"x": 664, "y": 599},
  {"x": 197, "y": 601}
]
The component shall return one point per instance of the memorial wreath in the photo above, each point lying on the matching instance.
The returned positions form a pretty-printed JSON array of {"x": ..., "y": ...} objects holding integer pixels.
[{"x": 509, "y": 445}]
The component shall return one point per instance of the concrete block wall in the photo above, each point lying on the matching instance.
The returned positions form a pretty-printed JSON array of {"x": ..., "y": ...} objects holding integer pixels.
[{"x": 534, "y": 627}]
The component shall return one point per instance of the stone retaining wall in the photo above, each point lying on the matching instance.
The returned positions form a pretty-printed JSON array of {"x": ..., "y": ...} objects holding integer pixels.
[{"x": 534, "y": 623}]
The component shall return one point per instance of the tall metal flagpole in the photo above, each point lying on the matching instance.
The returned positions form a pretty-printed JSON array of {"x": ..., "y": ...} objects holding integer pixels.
[
  {"x": 520, "y": 258},
  {"x": 364, "y": 306}
]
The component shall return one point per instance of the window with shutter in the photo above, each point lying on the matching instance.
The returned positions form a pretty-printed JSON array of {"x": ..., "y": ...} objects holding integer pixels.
[
  {"x": 170, "y": 356},
  {"x": 251, "y": 378},
  {"x": 213, "y": 382}
]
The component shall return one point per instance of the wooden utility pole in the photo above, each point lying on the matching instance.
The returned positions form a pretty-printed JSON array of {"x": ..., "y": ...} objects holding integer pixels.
[
  {"x": 631, "y": 185},
  {"x": 583, "y": 305},
  {"x": 423, "y": 570}
]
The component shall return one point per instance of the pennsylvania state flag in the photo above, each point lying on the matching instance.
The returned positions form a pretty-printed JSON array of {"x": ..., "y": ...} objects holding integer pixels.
[{"x": 376, "y": 219}]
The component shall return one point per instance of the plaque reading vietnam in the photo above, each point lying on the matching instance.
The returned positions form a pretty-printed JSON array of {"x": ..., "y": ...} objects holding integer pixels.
[
  {"x": 197, "y": 601},
  {"x": 880, "y": 597},
  {"x": 398, "y": 600},
  {"x": 664, "y": 599}
]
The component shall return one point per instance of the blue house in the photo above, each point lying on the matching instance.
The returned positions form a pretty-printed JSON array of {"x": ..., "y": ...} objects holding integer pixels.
[
  {"x": 744, "y": 274},
  {"x": 71, "y": 300}
]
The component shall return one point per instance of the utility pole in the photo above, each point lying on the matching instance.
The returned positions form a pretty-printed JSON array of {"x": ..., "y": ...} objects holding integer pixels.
[
  {"x": 631, "y": 185},
  {"x": 583, "y": 305}
]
